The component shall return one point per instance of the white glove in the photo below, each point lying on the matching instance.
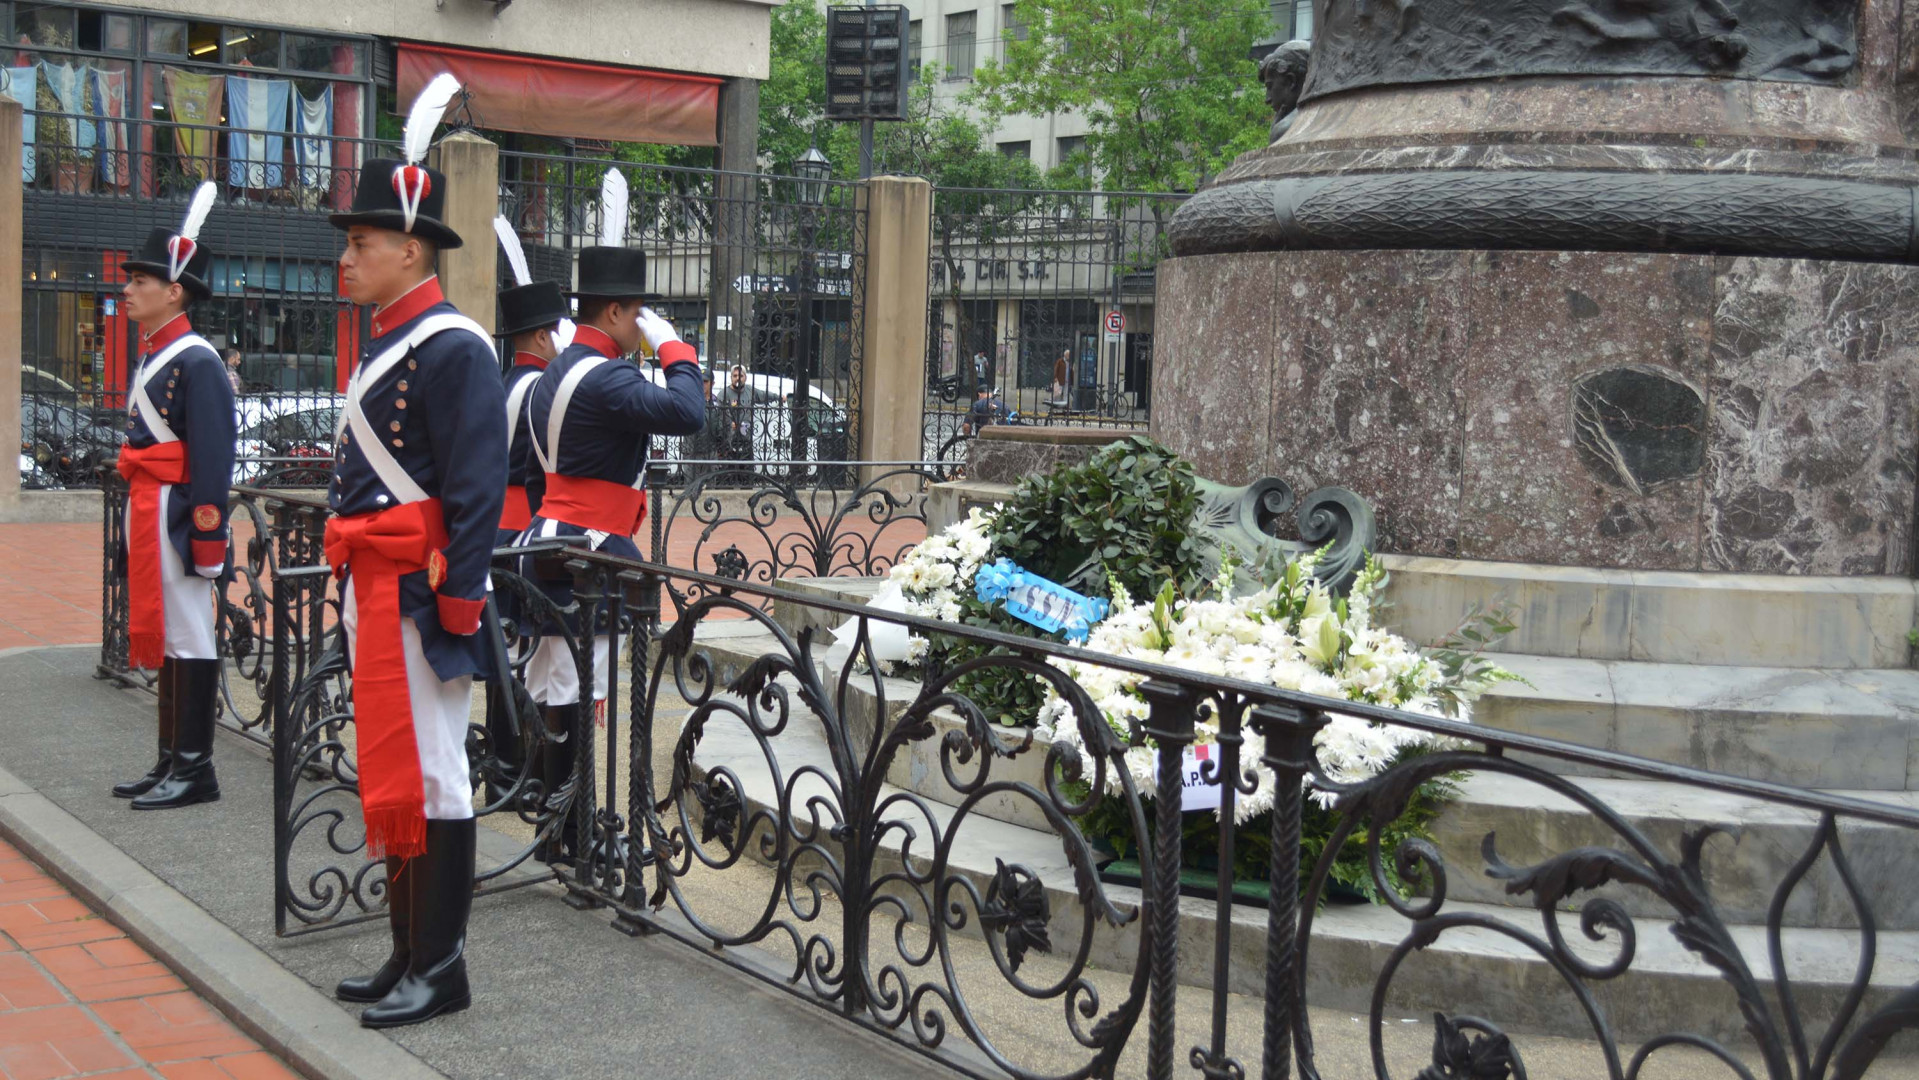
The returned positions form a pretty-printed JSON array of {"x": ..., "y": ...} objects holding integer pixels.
[
  {"x": 656, "y": 330},
  {"x": 212, "y": 572}
]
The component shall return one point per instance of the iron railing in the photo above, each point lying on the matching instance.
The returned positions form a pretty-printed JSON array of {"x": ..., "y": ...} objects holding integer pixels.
[{"x": 744, "y": 803}]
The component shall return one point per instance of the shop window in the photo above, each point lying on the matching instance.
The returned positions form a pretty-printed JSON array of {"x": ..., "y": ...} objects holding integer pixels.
[
  {"x": 203, "y": 42},
  {"x": 307, "y": 53}
]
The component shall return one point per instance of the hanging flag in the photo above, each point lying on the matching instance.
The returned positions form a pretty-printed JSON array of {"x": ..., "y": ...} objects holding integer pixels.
[
  {"x": 110, "y": 100},
  {"x": 313, "y": 122},
  {"x": 255, "y": 109},
  {"x": 194, "y": 101},
  {"x": 69, "y": 88},
  {"x": 23, "y": 86}
]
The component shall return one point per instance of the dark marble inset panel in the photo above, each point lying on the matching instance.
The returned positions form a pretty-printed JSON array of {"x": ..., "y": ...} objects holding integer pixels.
[
  {"x": 1213, "y": 363},
  {"x": 1542, "y": 321},
  {"x": 1367, "y": 389},
  {"x": 1815, "y": 368}
]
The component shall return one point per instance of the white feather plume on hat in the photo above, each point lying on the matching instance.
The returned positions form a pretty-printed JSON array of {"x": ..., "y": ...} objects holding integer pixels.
[
  {"x": 613, "y": 209},
  {"x": 425, "y": 115},
  {"x": 515, "y": 255}
]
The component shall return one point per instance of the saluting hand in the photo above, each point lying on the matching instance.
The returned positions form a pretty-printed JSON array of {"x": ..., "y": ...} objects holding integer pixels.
[{"x": 656, "y": 330}]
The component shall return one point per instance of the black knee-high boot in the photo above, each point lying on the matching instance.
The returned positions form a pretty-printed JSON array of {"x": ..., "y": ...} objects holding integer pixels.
[
  {"x": 442, "y": 898},
  {"x": 556, "y": 768},
  {"x": 400, "y": 877},
  {"x": 133, "y": 788},
  {"x": 191, "y": 779}
]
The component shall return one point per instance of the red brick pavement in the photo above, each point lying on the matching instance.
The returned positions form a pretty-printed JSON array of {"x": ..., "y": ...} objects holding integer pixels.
[{"x": 79, "y": 999}]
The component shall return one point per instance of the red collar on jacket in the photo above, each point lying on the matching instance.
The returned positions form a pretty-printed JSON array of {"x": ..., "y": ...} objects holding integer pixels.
[
  {"x": 596, "y": 339},
  {"x": 408, "y": 307},
  {"x": 174, "y": 329},
  {"x": 527, "y": 359}
]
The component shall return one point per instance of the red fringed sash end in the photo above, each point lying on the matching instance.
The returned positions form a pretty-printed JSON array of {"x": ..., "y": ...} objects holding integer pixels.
[
  {"x": 395, "y": 831},
  {"x": 146, "y": 651}
]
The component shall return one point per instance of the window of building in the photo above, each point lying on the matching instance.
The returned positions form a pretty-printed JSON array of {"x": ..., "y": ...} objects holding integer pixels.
[
  {"x": 1072, "y": 154},
  {"x": 961, "y": 31},
  {"x": 166, "y": 37},
  {"x": 913, "y": 40},
  {"x": 1293, "y": 19},
  {"x": 1022, "y": 149},
  {"x": 251, "y": 47},
  {"x": 1012, "y": 27}
]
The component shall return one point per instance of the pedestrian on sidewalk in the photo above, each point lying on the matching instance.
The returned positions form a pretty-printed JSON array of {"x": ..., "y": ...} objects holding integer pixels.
[
  {"x": 178, "y": 463},
  {"x": 595, "y": 413},
  {"x": 232, "y": 357},
  {"x": 418, "y": 483}
]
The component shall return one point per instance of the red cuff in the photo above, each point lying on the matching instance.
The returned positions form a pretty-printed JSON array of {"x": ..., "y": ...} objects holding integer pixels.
[
  {"x": 460, "y": 616},
  {"x": 209, "y": 552},
  {"x": 676, "y": 352}
]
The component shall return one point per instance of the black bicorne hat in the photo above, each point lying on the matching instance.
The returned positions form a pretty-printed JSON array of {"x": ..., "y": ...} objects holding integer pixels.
[
  {"x": 160, "y": 256},
  {"x": 387, "y": 187},
  {"x": 529, "y": 307},
  {"x": 614, "y": 273}
]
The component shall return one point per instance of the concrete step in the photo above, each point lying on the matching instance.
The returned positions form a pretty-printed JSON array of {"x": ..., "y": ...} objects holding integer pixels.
[
  {"x": 921, "y": 767},
  {"x": 1468, "y": 969},
  {"x": 1851, "y": 729},
  {"x": 797, "y": 616},
  {"x": 1742, "y": 869},
  {"x": 1663, "y": 617}
]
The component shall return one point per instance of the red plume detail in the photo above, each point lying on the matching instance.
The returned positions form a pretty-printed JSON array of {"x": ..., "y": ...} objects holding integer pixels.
[
  {"x": 412, "y": 184},
  {"x": 179, "y": 252}
]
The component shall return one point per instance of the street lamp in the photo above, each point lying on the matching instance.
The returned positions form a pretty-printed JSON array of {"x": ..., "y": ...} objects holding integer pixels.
[{"x": 813, "y": 170}]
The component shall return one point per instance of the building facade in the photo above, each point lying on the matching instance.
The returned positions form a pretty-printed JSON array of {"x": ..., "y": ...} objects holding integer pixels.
[{"x": 131, "y": 106}]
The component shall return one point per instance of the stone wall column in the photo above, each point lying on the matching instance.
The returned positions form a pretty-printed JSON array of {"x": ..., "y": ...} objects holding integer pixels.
[
  {"x": 469, "y": 274},
  {"x": 11, "y": 225},
  {"x": 899, "y": 237},
  {"x": 735, "y": 225}
]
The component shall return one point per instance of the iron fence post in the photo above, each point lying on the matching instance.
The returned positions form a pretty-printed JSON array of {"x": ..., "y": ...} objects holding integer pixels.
[
  {"x": 1288, "y": 732},
  {"x": 640, "y": 595},
  {"x": 1170, "y": 724}
]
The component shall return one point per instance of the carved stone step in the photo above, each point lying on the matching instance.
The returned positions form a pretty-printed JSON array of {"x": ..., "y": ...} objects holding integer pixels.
[
  {"x": 1662, "y": 617},
  {"x": 1849, "y": 729},
  {"x": 1742, "y": 869}
]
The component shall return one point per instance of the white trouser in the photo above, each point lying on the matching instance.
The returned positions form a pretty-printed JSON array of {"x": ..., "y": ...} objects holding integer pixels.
[
  {"x": 442, "y": 709},
  {"x": 553, "y": 678},
  {"x": 188, "y": 596}
]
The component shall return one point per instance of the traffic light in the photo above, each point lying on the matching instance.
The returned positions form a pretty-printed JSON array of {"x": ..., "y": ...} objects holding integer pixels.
[{"x": 866, "y": 63}]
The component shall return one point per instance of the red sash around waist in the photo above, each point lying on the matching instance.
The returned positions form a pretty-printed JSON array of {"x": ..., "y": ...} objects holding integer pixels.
[
  {"x": 146, "y": 469},
  {"x": 601, "y": 505},
  {"x": 377, "y": 549},
  {"x": 517, "y": 512}
]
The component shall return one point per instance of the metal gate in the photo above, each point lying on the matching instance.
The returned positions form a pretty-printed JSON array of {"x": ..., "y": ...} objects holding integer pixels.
[{"x": 1046, "y": 297}]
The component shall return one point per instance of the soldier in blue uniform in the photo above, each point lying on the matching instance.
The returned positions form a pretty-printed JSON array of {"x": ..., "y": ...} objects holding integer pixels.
[
  {"x": 178, "y": 462},
  {"x": 417, "y": 489},
  {"x": 590, "y": 416},
  {"x": 530, "y": 318}
]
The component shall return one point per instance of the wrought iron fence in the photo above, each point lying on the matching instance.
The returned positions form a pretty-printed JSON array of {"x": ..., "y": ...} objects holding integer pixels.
[
  {"x": 773, "y": 520},
  {"x": 1024, "y": 284},
  {"x": 792, "y": 813},
  {"x": 759, "y": 272},
  {"x": 274, "y": 300}
]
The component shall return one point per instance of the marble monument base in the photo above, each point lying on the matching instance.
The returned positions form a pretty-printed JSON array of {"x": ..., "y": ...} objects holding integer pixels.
[{"x": 1642, "y": 411}]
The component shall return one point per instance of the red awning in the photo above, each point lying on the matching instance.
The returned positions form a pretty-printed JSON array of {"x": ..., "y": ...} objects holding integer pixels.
[{"x": 564, "y": 98}]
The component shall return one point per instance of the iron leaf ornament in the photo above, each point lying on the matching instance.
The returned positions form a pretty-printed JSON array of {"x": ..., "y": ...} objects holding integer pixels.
[
  {"x": 1459, "y": 1057},
  {"x": 1016, "y": 907}
]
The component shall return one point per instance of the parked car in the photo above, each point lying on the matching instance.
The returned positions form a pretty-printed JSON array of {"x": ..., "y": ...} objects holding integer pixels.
[
  {"x": 280, "y": 433},
  {"x": 66, "y": 442},
  {"x": 771, "y": 424}
]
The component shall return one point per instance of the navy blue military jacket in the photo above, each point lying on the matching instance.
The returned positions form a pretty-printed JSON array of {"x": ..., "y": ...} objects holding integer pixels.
[
  {"x": 442, "y": 412},
  {"x": 522, "y": 468},
  {"x": 195, "y": 398},
  {"x": 617, "y": 408}
]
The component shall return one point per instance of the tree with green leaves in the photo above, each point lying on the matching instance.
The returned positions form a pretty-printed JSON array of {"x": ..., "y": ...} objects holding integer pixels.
[{"x": 1166, "y": 87}]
